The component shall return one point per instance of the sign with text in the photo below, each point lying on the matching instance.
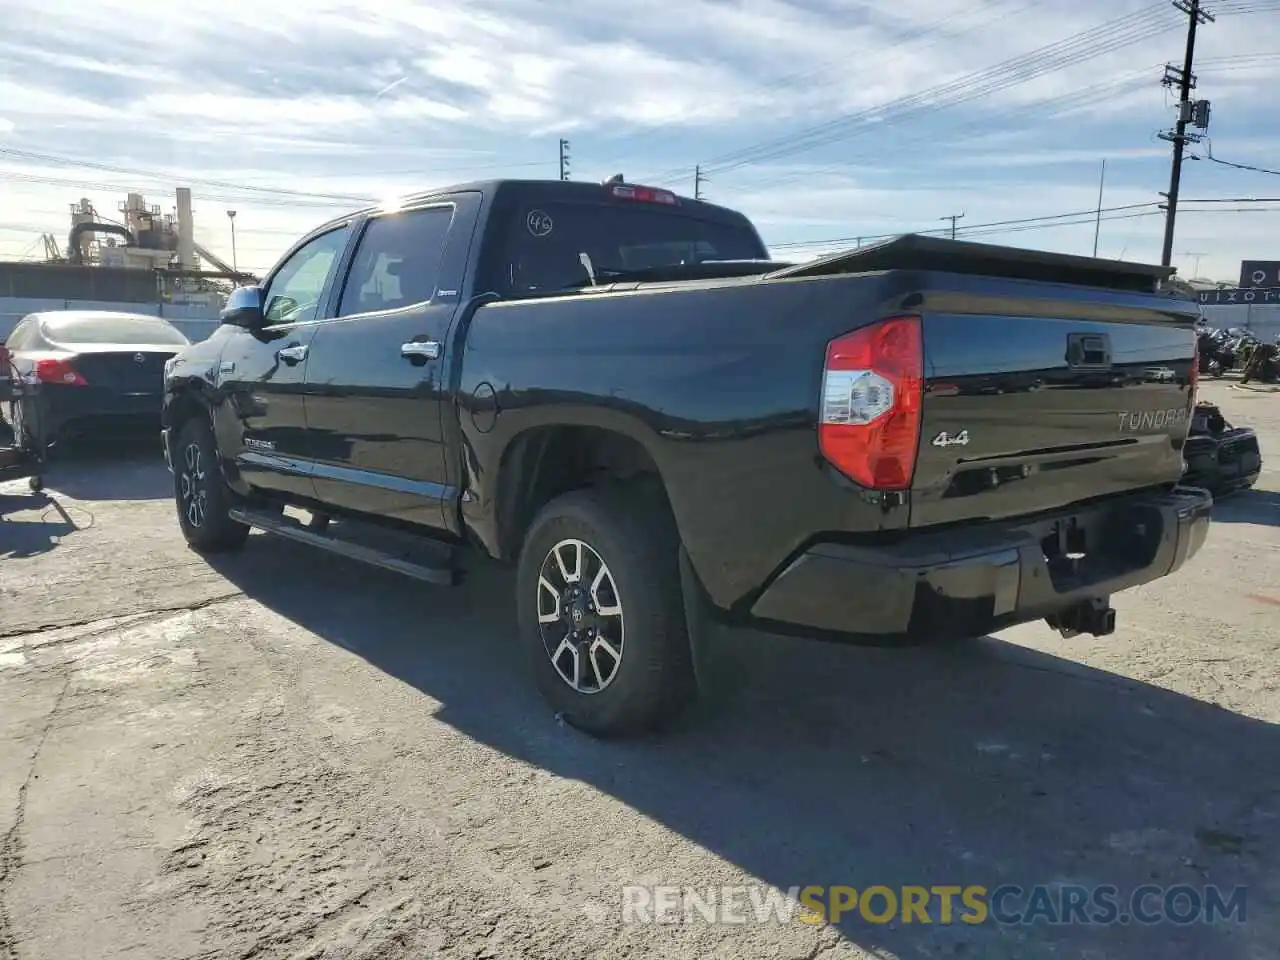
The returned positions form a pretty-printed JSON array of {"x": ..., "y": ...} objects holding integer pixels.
[
  {"x": 1260, "y": 273},
  {"x": 1254, "y": 295}
]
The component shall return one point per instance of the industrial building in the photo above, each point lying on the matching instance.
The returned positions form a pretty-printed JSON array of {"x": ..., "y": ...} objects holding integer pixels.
[{"x": 144, "y": 261}]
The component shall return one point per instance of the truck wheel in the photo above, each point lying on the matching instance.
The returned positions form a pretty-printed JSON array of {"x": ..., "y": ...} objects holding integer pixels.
[
  {"x": 201, "y": 493},
  {"x": 600, "y": 611}
]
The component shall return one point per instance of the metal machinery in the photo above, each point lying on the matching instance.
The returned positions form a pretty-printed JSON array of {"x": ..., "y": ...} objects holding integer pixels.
[
  {"x": 22, "y": 412},
  {"x": 144, "y": 238}
]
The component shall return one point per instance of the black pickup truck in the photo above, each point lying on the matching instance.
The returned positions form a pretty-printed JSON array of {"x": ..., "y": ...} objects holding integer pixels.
[{"x": 612, "y": 388}]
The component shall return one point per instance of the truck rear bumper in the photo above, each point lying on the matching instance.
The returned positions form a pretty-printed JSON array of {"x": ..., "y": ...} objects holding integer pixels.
[{"x": 972, "y": 580}]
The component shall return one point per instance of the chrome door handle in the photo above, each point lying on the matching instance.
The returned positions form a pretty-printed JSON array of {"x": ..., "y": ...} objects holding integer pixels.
[
  {"x": 292, "y": 354},
  {"x": 427, "y": 349}
]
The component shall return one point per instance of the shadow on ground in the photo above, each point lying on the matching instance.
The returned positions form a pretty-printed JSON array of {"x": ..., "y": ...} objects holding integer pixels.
[
  {"x": 129, "y": 467},
  {"x": 31, "y": 524},
  {"x": 1249, "y": 506},
  {"x": 984, "y": 763}
]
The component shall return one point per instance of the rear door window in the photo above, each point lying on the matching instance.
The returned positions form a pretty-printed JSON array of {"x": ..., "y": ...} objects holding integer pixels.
[{"x": 398, "y": 261}]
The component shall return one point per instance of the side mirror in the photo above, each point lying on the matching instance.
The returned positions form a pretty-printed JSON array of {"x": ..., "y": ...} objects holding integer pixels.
[{"x": 244, "y": 309}]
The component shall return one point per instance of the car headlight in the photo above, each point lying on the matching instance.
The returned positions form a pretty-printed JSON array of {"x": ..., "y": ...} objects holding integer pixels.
[{"x": 169, "y": 366}]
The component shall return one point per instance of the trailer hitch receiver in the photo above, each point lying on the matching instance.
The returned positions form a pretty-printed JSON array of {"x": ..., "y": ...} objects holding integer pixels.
[{"x": 1096, "y": 617}]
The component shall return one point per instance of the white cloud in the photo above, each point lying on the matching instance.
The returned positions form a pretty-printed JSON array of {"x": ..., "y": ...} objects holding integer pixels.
[{"x": 327, "y": 97}]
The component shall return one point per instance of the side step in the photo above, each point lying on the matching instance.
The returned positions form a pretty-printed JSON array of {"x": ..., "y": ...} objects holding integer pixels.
[{"x": 291, "y": 529}]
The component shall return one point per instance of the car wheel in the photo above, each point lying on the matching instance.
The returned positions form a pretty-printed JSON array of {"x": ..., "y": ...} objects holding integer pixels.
[
  {"x": 201, "y": 493},
  {"x": 601, "y": 613}
]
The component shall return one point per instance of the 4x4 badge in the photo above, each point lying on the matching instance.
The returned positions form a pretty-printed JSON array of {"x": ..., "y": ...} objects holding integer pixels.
[{"x": 945, "y": 439}]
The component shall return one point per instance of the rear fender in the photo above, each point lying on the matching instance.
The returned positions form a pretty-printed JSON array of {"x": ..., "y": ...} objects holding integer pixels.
[{"x": 551, "y": 452}]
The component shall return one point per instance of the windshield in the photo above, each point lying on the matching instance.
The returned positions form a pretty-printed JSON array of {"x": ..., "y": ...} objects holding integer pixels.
[
  {"x": 546, "y": 241},
  {"x": 112, "y": 328}
]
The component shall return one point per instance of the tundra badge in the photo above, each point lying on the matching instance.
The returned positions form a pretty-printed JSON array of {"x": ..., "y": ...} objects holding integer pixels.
[
  {"x": 945, "y": 439},
  {"x": 1135, "y": 420}
]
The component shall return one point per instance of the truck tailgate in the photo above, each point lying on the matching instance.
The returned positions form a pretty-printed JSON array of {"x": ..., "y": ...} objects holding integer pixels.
[{"x": 1035, "y": 403}]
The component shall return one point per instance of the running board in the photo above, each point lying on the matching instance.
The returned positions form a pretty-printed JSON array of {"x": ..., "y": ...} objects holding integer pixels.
[{"x": 291, "y": 529}]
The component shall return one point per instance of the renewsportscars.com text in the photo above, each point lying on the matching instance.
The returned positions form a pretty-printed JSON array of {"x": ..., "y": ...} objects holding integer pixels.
[{"x": 937, "y": 904}]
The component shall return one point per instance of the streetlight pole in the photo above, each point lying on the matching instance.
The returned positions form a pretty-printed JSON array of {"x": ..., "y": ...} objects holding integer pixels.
[{"x": 231, "y": 215}]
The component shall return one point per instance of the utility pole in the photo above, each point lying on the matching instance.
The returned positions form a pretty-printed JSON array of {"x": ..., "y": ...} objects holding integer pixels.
[
  {"x": 1195, "y": 271},
  {"x": 1097, "y": 222},
  {"x": 699, "y": 178},
  {"x": 1188, "y": 112},
  {"x": 953, "y": 218},
  {"x": 564, "y": 159}
]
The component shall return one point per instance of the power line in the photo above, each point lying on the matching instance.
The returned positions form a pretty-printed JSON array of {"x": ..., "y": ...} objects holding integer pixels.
[
  {"x": 1046, "y": 109},
  {"x": 1238, "y": 166},
  {"x": 910, "y": 42},
  {"x": 1046, "y": 221},
  {"x": 1108, "y": 37},
  {"x": 975, "y": 226},
  {"x": 269, "y": 195},
  {"x": 1064, "y": 104},
  {"x": 266, "y": 201},
  {"x": 1089, "y": 44},
  {"x": 1085, "y": 219},
  {"x": 30, "y": 157}
]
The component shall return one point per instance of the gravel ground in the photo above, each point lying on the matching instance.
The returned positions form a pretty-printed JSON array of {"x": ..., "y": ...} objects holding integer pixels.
[{"x": 285, "y": 755}]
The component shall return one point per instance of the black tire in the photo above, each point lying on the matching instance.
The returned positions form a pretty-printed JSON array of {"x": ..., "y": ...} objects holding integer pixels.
[
  {"x": 631, "y": 532},
  {"x": 201, "y": 494}
]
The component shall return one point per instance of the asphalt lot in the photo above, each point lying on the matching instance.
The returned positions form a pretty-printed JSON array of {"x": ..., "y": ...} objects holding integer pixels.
[{"x": 285, "y": 755}]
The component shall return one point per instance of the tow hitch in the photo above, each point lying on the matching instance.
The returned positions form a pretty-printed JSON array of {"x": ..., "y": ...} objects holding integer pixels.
[{"x": 1091, "y": 616}]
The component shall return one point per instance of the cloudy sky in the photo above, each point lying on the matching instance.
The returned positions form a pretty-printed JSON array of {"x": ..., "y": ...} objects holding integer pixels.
[{"x": 824, "y": 120}]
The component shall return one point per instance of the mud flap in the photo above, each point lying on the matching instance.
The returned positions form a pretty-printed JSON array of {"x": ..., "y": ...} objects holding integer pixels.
[
  {"x": 697, "y": 622},
  {"x": 717, "y": 660}
]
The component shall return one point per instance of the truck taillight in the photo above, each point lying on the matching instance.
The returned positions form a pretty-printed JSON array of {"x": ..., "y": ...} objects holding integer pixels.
[
  {"x": 872, "y": 391},
  {"x": 59, "y": 371}
]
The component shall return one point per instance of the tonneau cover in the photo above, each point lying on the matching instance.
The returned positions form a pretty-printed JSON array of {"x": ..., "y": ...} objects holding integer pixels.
[{"x": 916, "y": 252}]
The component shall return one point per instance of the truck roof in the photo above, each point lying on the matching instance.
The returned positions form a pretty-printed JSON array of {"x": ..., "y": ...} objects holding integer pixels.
[{"x": 551, "y": 189}]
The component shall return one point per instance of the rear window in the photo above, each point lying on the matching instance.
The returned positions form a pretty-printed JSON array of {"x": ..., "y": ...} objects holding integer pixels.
[
  {"x": 112, "y": 329},
  {"x": 545, "y": 241},
  {"x": 19, "y": 336}
]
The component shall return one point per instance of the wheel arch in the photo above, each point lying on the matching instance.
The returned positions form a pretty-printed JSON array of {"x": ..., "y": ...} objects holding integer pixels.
[
  {"x": 543, "y": 462},
  {"x": 185, "y": 400}
]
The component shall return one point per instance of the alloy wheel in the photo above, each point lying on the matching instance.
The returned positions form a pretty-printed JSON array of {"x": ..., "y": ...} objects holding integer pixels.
[
  {"x": 194, "y": 493},
  {"x": 580, "y": 616}
]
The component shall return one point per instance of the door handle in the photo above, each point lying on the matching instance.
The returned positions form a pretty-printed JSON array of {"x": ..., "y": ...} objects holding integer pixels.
[
  {"x": 424, "y": 349},
  {"x": 292, "y": 354}
]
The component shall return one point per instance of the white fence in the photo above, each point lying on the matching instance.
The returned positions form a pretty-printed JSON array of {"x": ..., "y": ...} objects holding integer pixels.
[{"x": 196, "y": 320}]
